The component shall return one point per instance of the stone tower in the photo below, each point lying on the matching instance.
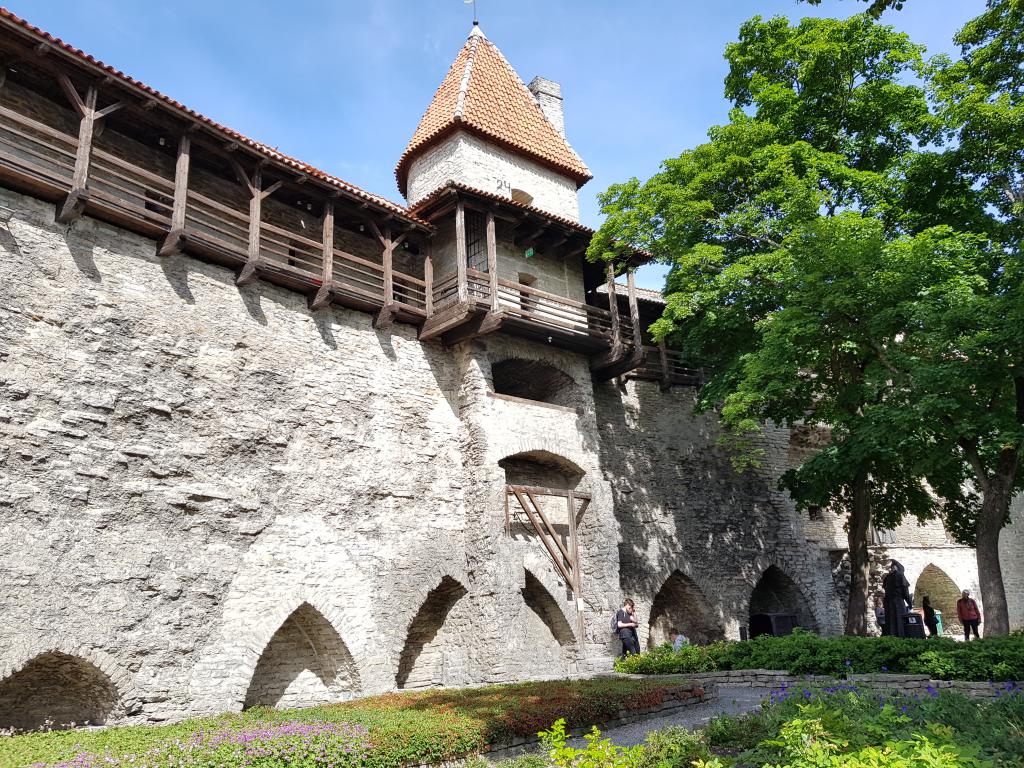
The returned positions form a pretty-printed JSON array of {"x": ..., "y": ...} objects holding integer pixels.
[{"x": 486, "y": 130}]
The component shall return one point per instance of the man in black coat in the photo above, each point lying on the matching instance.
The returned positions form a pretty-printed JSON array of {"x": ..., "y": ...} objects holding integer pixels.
[{"x": 898, "y": 599}]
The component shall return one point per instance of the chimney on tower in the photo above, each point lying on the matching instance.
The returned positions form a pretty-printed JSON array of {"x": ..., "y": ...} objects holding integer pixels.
[{"x": 549, "y": 96}]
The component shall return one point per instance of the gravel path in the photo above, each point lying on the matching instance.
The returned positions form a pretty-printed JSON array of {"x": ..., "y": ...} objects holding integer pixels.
[{"x": 732, "y": 700}]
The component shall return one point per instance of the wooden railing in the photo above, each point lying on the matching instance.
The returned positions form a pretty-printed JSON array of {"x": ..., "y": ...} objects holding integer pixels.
[
  {"x": 668, "y": 367},
  {"x": 134, "y": 196}
]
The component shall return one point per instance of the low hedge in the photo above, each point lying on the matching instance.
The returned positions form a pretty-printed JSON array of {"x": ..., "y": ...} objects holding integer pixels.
[
  {"x": 803, "y": 653},
  {"x": 380, "y": 731}
]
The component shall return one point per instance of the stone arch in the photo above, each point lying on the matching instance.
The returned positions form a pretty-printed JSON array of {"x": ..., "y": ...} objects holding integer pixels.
[
  {"x": 540, "y": 468},
  {"x": 682, "y": 604},
  {"x": 777, "y": 592},
  {"x": 57, "y": 690},
  {"x": 432, "y": 655},
  {"x": 37, "y": 657},
  {"x": 507, "y": 445},
  {"x": 533, "y": 380},
  {"x": 305, "y": 663},
  {"x": 943, "y": 593},
  {"x": 545, "y": 610}
]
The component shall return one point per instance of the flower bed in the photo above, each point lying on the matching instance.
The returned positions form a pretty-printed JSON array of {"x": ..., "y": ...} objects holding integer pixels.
[
  {"x": 802, "y": 653},
  {"x": 381, "y": 731}
]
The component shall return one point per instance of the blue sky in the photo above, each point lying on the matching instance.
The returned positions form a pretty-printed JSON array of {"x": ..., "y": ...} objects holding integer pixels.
[{"x": 341, "y": 84}]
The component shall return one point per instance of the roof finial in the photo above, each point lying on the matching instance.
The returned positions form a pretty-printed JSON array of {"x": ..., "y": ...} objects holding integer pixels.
[{"x": 473, "y": 3}]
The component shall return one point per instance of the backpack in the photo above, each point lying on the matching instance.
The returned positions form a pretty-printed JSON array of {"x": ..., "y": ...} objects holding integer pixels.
[{"x": 615, "y": 622}]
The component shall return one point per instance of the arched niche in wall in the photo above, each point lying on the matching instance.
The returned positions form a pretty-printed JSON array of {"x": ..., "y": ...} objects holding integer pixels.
[
  {"x": 776, "y": 592},
  {"x": 534, "y": 380},
  {"x": 305, "y": 663},
  {"x": 435, "y": 644},
  {"x": 680, "y": 604},
  {"x": 943, "y": 593},
  {"x": 56, "y": 691},
  {"x": 549, "y": 636}
]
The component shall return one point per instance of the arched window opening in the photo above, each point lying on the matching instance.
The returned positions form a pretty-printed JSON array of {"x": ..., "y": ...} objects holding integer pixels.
[
  {"x": 305, "y": 663},
  {"x": 434, "y": 646},
  {"x": 680, "y": 604},
  {"x": 534, "y": 380},
  {"x": 943, "y": 593},
  {"x": 521, "y": 196},
  {"x": 57, "y": 691},
  {"x": 777, "y": 595}
]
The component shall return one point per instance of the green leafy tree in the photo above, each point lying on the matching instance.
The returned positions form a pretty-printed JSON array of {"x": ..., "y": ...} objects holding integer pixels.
[
  {"x": 965, "y": 361},
  {"x": 876, "y": 7},
  {"x": 786, "y": 254}
]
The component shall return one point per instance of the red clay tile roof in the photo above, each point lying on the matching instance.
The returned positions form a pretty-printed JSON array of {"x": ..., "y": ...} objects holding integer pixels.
[
  {"x": 483, "y": 94},
  {"x": 48, "y": 39}
]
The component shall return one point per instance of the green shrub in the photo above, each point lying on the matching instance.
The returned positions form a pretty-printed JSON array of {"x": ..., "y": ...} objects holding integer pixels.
[
  {"x": 598, "y": 753},
  {"x": 672, "y": 747},
  {"x": 802, "y": 653}
]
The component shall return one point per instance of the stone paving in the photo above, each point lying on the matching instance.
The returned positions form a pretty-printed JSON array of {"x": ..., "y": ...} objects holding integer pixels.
[{"x": 732, "y": 700}]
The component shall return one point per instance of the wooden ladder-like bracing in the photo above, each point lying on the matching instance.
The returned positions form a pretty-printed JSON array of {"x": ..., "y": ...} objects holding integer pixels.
[{"x": 566, "y": 561}]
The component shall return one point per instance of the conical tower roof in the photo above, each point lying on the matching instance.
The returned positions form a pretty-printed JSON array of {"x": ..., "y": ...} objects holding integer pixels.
[{"x": 483, "y": 94}]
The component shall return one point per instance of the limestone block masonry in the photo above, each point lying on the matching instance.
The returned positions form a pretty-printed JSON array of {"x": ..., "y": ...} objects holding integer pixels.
[
  {"x": 213, "y": 498},
  {"x": 476, "y": 163}
]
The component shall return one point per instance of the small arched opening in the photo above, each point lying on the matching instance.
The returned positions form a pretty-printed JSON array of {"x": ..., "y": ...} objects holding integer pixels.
[
  {"x": 521, "y": 196},
  {"x": 777, "y": 593},
  {"x": 57, "y": 691},
  {"x": 943, "y": 594},
  {"x": 305, "y": 663},
  {"x": 534, "y": 380},
  {"x": 680, "y": 604},
  {"x": 435, "y": 642}
]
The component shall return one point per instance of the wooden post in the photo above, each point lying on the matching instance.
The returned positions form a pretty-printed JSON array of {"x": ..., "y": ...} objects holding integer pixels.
[
  {"x": 428, "y": 287},
  {"x": 634, "y": 311},
  {"x": 613, "y": 307},
  {"x": 666, "y": 379},
  {"x": 323, "y": 294},
  {"x": 387, "y": 312},
  {"x": 256, "y": 195},
  {"x": 72, "y": 205},
  {"x": 492, "y": 261},
  {"x": 172, "y": 243},
  {"x": 576, "y": 587},
  {"x": 460, "y": 249}
]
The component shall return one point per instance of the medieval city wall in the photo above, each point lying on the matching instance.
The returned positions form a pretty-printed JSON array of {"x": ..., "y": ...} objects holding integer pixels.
[
  {"x": 1011, "y": 556},
  {"x": 214, "y": 498},
  {"x": 702, "y": 547},
  {"x": 469, "y": 160}
]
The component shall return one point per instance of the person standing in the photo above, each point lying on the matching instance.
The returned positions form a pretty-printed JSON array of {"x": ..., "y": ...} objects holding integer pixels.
[
  {"x": 625, "y": 620},
  {"x": 969, "y": 614},
  {"x": 930, "y": 620},
  {"x": 897, "y": 599},
  {"x": 880, "y": 615}
]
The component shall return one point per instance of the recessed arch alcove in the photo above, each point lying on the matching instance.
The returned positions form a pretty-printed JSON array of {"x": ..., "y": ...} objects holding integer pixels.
[
  {"x": 777, "y": 592},
  {"x": 429, "y": 656},
  {"x": 943, "y": 593},
  {"x": 305, "y": 663},
  {"x": 534, "y": 380},
  {"x": 682, "y": 605},
  {"x": 56, "y": 691}
]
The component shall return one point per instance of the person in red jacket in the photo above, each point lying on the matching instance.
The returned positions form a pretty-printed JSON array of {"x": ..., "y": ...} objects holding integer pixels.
[{"x": 969, "y": 614}]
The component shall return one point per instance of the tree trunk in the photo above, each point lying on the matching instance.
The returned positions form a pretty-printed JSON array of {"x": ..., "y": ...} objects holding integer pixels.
[
  {"x": 994, "y": 509},
  {"x": 860, "y": 561}
]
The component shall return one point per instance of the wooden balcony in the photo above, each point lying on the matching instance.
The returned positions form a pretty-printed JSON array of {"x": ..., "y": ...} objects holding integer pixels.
[{"x": 667, "y": 367}]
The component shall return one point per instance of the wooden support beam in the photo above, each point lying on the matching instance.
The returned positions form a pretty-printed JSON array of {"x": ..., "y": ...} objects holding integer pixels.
[
  {"x": 613, "y": 307},
  {"x": 574, "y": 545},
  {"x": 534, "y": 235},
  {"x": 73, "y": 205},
  {"x": 544, "y": 539},
  {"x": 172, "y": 243},
  {"x": 492, "y": 261},
  {"x": 666, "y": 377},
  {"x": 550, "y": 529},
  {"x": 428, "y": 279},
  {"x": 386, "y": 316},
  {"x": 323, "y": 294},
  {"x": 634, "y": 311},
  {"x": 460, "y": 249}
]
